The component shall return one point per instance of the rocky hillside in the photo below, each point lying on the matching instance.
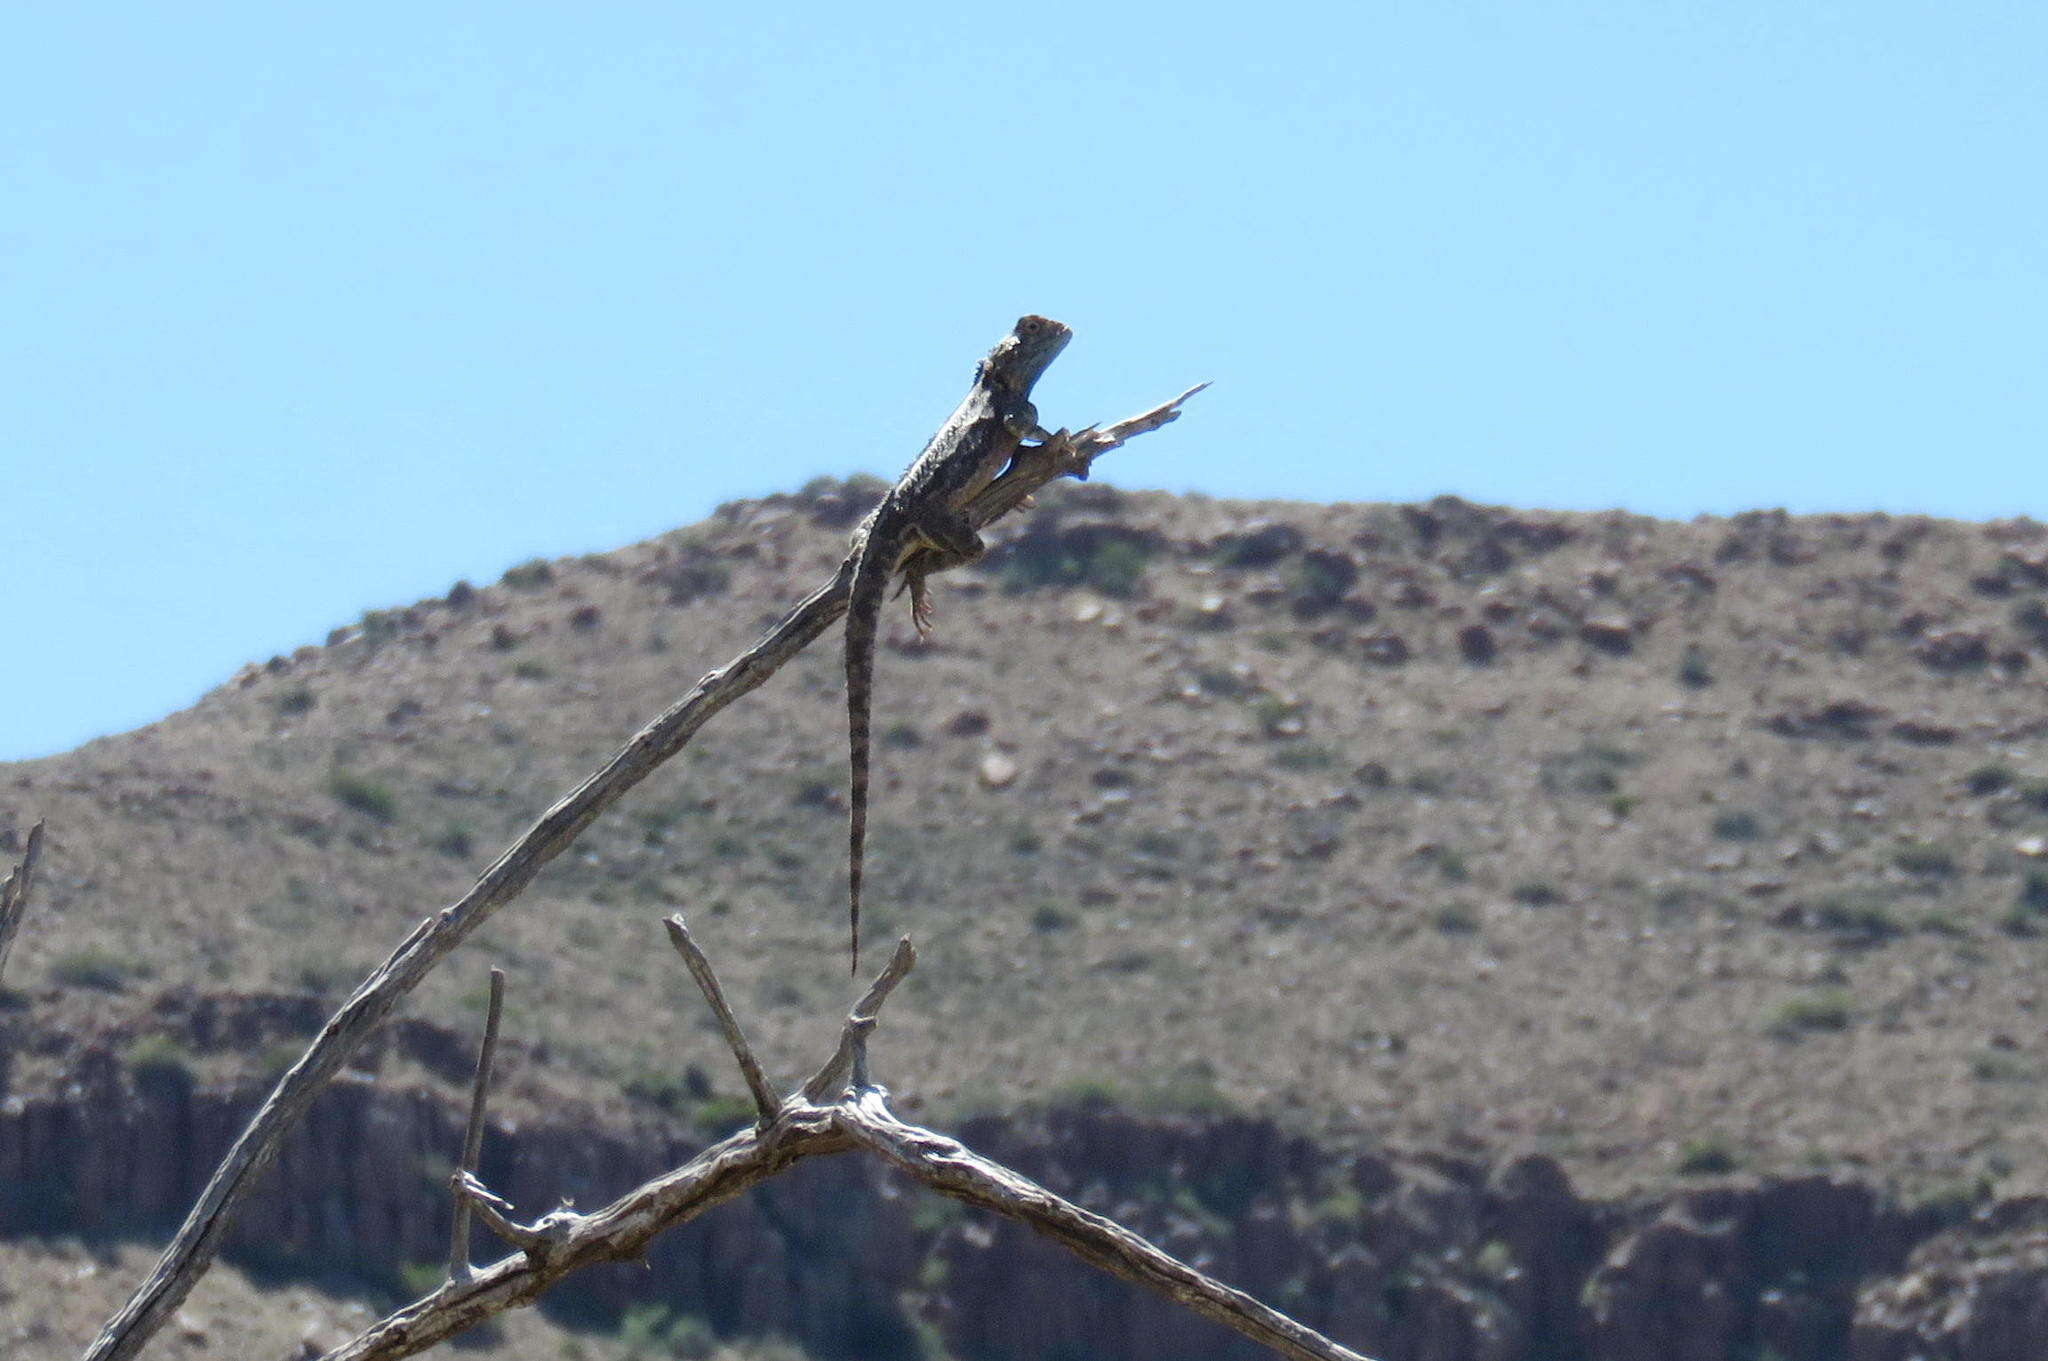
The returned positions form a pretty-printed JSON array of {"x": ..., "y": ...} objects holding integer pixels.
[{"x": 1649, "y": 848}]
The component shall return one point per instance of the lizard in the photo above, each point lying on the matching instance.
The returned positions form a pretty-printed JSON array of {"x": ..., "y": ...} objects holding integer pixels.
[{"x": 919, "y": 529}]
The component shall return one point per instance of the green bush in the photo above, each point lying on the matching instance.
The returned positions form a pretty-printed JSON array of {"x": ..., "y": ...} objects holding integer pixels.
[
  {"x": 1305, "y": 756},
  {"x": 363, "y": 794},
  {"x": 93, "y": 967},
  {"x": 1707, "y": 1158},
  {"x": 1798, "y": 1017},
  {"x": 1919, "y": 857},
  {"x": 1858, "y": 914},
  {"x": 455, "y": 841},
  {"x": 530, "y": 575},
  {"x": 295, "y": 699},
  {"x": 159, "y": 1056}
]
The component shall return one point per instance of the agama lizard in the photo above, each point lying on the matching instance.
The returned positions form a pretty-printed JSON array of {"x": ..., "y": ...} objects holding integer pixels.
[{"x": 921, "y": 519}]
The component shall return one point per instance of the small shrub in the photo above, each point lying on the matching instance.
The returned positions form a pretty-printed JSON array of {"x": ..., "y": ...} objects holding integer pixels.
[
  {"x": 1707, "y": 1158},
  {"x": 158, "y": 1056},
  {"x": 1798, "y": 1017},
  {"x": 530, "y": 670},
  {"x": 2033, "y": 893},
  {"x": 363, "y": 794},
  {"x": 1998, "y": 1067},
  {"x": 1455, "y": 919},
  {"x": 1737, "y": 824},
  {"x": 296, "y": 699},
  {"x": 1305, "y": 756},
  {"x": 1987, "y": 780},
  {"x": 416, "y": 1280},
  {"x": 902, "y": 736},
  {"x": 1115, "y": 567},
  {"x": 1856, "y": 914},
  {"x": 1918, "y": 857},
  {"x": 1693, "y": 671},
  {"x": 721, "y": 1115},
  {"x": 1088, "y": 1093},
  {"x": 530, "y": 575},
  {"x": 1048, "y": 919},
  {"x": 377, "y": 626},
  {"x": 455, "y": 842},
  {"x": 1621, "y": 805},
  {"x": 1536, "y": 893},
  {"x": 92, "y": 967}
]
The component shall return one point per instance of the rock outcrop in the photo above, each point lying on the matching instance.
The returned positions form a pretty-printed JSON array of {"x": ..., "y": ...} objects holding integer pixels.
[{"x": 1405, "y": 1257}]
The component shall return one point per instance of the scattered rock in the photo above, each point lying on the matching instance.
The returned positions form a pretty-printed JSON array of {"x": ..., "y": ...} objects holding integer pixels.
[
  {"x": 997, "y": 771},
  {"x": 1384, "y": 649},
  {"x": 1610, "y": 633},
  {"x": 1849, "y": 719}
]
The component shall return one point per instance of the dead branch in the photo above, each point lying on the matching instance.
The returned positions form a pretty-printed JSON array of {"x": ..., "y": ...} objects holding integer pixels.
[
  {"x": 857, "y": 1118},
  {"x": 765, "y": 1104},
  {"x": 473, "y": 1137},
  {"x": 950, "y": 1168},
  {"x": 192, "y": 1250},
  {"x": 14, "y": 894}
]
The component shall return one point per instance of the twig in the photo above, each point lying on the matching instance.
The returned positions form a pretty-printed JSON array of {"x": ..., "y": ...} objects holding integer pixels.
[
  {"x": 192, "y": 1250},
  {"x": 473, "y": 1137},
  {"x": 14, "y": 894},
  {"x": 830, "y": 1080},
  {"x": 728, "y": 1024}
]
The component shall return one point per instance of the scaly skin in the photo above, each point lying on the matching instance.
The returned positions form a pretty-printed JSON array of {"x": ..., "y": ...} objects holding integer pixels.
[{"x": 923, "y": 511}]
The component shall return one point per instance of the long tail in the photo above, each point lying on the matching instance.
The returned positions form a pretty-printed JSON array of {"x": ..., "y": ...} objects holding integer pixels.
[{"x": 863, "y": 619}]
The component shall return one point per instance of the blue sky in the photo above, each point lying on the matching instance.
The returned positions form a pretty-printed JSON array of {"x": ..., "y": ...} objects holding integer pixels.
[{"x": 307, "y": 311}]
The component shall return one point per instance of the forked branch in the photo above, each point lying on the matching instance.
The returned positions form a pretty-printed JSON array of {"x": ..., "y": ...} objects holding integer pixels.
[
  {"x": 192, "y": 1250},
  {"x": 858, "y": 1117}
]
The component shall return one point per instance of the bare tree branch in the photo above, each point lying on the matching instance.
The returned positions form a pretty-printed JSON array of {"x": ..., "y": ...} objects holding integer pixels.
[
  {"x": 765, "y": 1103},
  {"x": 14, "y": 894},
  {"x": 192, "y": 1250},
  {"x": 473, "y": 1137},
  {"x": 561, "y": 1242},
  {"x": 950, "y": 1168}
]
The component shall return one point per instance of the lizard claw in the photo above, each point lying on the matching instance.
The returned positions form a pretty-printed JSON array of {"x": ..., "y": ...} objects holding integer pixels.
[{"x": 921, "y": 607}]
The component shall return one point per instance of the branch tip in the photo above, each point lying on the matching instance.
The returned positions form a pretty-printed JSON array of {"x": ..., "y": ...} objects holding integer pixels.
[{"x": 765, "y": 1103}]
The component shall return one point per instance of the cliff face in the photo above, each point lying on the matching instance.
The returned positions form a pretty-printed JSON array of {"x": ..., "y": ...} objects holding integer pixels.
[{"x": 1406, "y": 1257}]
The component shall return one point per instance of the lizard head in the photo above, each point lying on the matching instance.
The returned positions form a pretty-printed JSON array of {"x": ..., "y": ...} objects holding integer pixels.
[{"x": 1033, "y": 343}]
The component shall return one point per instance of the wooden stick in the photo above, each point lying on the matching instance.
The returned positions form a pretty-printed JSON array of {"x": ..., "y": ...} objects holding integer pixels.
[
  {"x": 473, "y": 1137},
  {"x": 192, "y": 1250}
]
